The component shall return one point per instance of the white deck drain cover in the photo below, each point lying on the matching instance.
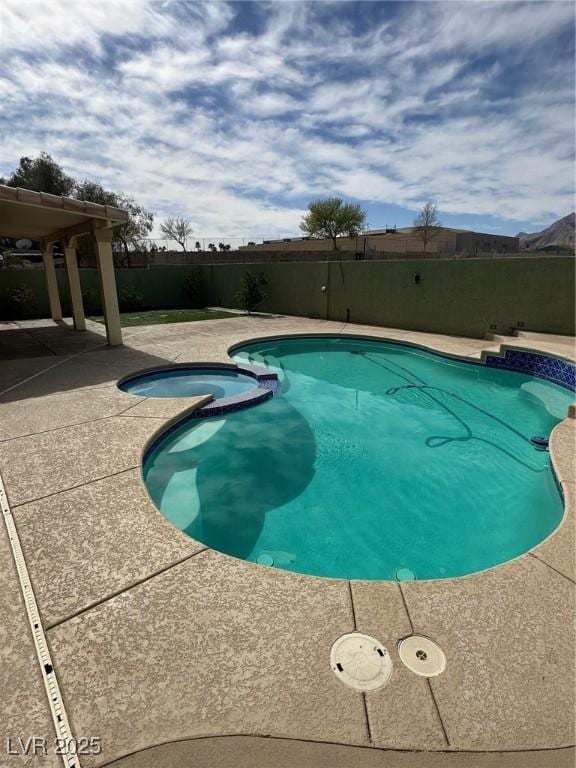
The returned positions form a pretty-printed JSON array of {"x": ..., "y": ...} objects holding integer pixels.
[
  {"x": 422, "y": 656},
  {"x": 360, "y": 662}
]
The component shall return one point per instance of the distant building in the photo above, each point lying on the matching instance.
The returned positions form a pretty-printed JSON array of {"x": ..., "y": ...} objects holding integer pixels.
[{"x": 408, "y": 240}]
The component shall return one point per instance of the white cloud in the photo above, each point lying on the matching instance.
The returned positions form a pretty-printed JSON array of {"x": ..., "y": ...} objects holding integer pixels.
[
  {"x": 37, "y": 25},
  {"x": 28, "y": 26},
  {"x": 193, "y": 117}
]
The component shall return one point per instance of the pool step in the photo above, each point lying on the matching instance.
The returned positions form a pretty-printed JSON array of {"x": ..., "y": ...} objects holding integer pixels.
[
  {"x": 534, "y": 336},
  {"x": 498, "y": 338}
]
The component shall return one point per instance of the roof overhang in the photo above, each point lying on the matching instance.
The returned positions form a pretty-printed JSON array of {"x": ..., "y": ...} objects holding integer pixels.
[{"x": 39, "y": 216}]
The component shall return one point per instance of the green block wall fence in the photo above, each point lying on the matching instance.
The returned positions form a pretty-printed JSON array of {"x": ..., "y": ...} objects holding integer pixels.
[{"x": 463, "y": 297}]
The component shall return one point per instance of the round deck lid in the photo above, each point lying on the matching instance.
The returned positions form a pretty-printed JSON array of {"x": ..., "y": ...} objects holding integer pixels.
[
  {"x": 422, "y": 656},
  {"x": 360, "y": 662}
]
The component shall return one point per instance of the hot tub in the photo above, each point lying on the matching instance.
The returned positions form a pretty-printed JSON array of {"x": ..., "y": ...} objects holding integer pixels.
[{"x": 190, "y": 381}]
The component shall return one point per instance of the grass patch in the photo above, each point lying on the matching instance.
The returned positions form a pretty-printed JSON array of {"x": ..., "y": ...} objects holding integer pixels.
[{"x": 159, "y": 316}]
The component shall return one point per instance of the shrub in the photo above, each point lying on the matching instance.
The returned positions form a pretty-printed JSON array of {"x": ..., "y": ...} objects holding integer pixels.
[
  {"x": 18, "y": 303},
  {"x": 92, "y": 301},
  {"x": 194, "y": 289},
  {"x": 129, "y": 300},
  {"x": 9, "y": 259},
  {"x": 251, "y": 292}
]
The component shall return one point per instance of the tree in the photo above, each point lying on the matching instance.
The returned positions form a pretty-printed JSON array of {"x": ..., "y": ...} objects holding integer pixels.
[
  {"x": 212, "y": 247},
  {"x": 127, "y": 236},
  {"x": 427, "y": 224},
  {"x": 251, "y": 292},
  {"x": 138, "y": 226},
  {"x": 332, "y": 217},
  {"x": 178, "y": 230},
  {"x": 94, "y": 193},
  {"x": 198, "y": 246},
  {"x": 41, "y": 174}
]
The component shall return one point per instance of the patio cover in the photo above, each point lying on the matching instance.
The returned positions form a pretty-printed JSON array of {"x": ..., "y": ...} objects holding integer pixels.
[{"x": 50, "y": 219}]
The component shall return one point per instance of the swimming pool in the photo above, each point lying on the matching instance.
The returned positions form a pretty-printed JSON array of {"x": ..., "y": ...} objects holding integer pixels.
[{"x": 373, "y": 461}]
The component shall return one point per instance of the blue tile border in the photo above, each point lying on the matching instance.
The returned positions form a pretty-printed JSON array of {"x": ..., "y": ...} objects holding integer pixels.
[
  {"x": 234, "y": 403},
  {"x": 262, "y": 374},
  {"x": 552, "y": 369},
  {"x": 268, "y": 386}
]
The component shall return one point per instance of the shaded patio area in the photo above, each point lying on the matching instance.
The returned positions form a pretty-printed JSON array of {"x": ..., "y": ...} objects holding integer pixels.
[
  {"x": 66, "y": 360},
  {"x": 50, "y": 219}
]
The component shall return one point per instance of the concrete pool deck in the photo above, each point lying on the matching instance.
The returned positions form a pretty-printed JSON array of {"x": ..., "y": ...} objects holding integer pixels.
[{"x": 176, "y": 655}]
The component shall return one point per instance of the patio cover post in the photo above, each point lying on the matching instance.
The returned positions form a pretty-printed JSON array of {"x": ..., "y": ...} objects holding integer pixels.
[
  {"x": 51, "y": 281},
  {"x": 74, "y": 285},
  {"x": 103, "y": 242}
]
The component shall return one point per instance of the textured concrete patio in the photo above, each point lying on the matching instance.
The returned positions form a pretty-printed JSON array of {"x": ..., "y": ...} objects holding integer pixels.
[{"x": 177, "y": 655}]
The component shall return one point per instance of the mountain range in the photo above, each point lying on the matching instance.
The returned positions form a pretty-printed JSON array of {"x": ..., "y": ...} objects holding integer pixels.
[{"x": 560, "y": 234}]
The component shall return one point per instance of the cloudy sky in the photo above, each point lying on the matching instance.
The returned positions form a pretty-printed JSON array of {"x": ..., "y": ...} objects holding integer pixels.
[{"x": 237, "y": 114}]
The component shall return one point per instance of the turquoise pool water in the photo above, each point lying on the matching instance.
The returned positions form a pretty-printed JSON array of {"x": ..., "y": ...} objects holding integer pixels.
[
  {"x": 189, "y": 382},
  {"x": 374, "y": 460}
]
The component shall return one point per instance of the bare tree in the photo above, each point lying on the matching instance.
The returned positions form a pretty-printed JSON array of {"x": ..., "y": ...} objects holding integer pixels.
[
  {"x": 178, "y": 230},
  {"x": 427, "y": 224}
]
